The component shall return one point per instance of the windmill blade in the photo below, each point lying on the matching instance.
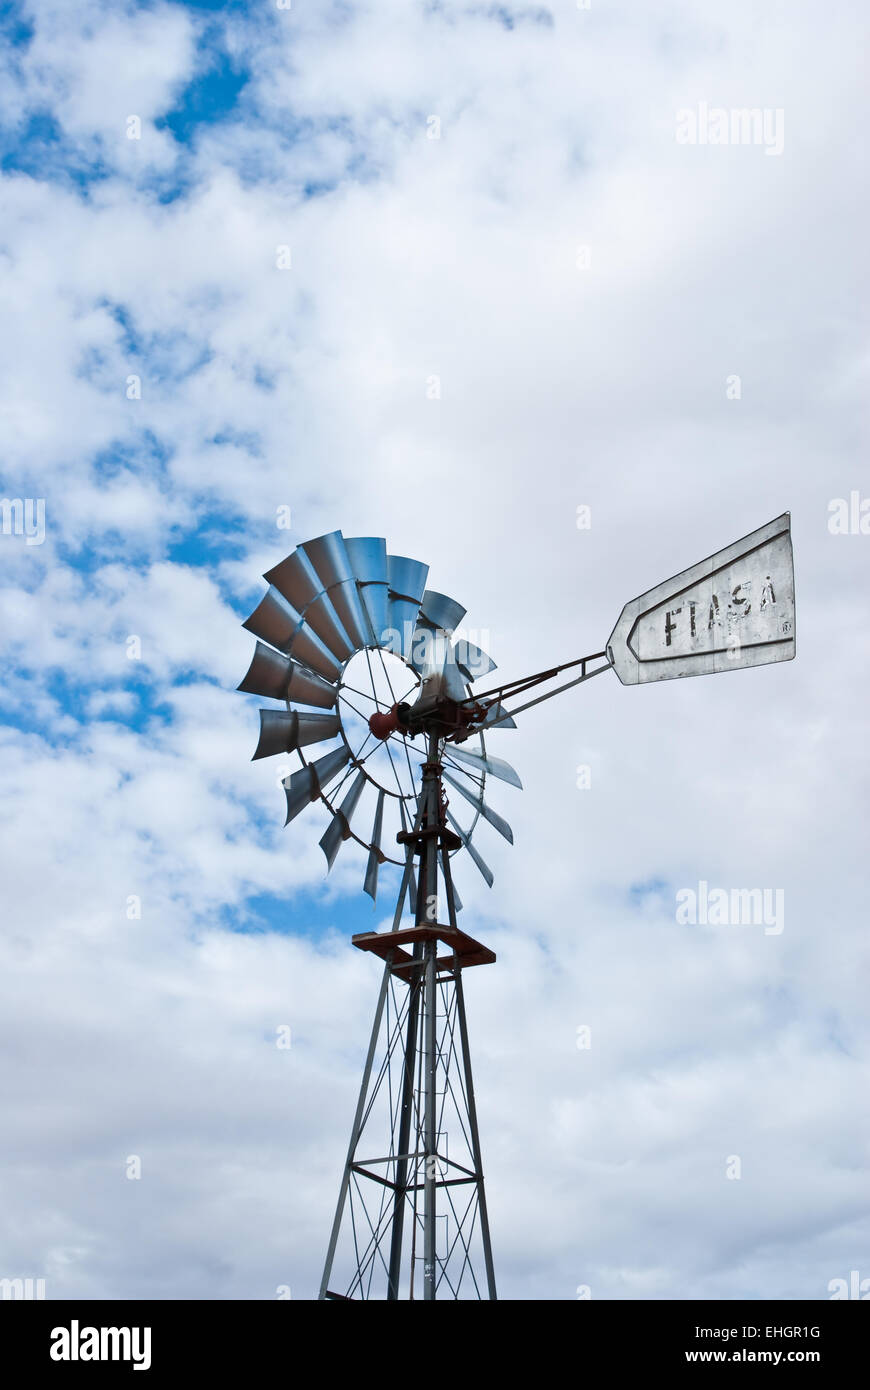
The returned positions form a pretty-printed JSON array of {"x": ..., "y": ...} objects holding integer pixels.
[
  {"x": 308, "y": 648},
  {"x": 276, "y": 621},
  {"x": 433, "y": 662},
  {"x": 480, "y": 805},
  {"x": 376, "y": 858},
  {"x": 472, "y": 661},
  {"x": 441, "y": 611},
  {"x": 407, "y": 581},
  {"x": 455, "y": 685},
  {"x": 297, "y": 579},
  {"x": 431, "y": 653},
  {"x": 496, "y": 767},
  {"x": 466, "y": 840},
  {"x": 431, "y": 656},
  {"x": 307, "y": 784},
  {"x": 332, "y": 564},
  {"x": 329, "y": 558},
  {"x": 429, "y": 649},
  {"x": 280, "y": 678},
  {"x": 322, "y": 617},
  {"x": 412, "y": 879},
  {"x": 281, "y": 731},
  {"x": 368, "y": 558},
  {"x": 734, "y": 609},
  {"x": 268, "y": 674},
  {"x": 338, "y": 829},
  {"x": 497, "y": 717},
  {"x": 350, "y": 609}
]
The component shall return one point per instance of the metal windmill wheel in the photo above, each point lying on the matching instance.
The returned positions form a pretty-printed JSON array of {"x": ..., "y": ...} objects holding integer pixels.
[{"x": 349, "y": 636}]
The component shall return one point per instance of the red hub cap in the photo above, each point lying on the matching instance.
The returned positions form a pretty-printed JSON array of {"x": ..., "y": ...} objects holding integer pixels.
[{"x": 384, "y": 722}]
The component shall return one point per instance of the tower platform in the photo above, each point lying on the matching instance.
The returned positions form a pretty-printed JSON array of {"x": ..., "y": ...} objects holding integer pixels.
[{"x": 464, "y": 950}]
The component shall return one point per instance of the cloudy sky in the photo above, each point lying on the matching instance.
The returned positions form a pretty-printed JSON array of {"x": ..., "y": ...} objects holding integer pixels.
[{"x": 440, "y": 272}]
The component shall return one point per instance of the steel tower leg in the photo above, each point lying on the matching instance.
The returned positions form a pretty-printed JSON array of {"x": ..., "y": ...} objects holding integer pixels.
[
  {"x": 355, "y": 1132},
  {"x": 469, "y": 1091},
  {"x": 404, "y": 1135},
  {"x": 475, "y": 1140},
  {"x": 427, "y": 911},
  {"x": 430, "y": 1012}
]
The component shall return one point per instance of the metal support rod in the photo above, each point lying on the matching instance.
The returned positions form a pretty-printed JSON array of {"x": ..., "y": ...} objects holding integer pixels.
[
  {"x": 587, "y": 676},
  {"x": 428, "y": 912},
  {"x": 475, "y": 1137},
  {"x": 406, "y": 876},
  {"x": 430, "y": 1007},
  {"x": 509, "y": 688},
  {"x": 469, "y": 1089},
  {"x": 355, "y": 1131},
  {"x": 407, "y": 1110},
  {"x": 405, "y": 1115},
  {"x": 416, "y": 1015}
]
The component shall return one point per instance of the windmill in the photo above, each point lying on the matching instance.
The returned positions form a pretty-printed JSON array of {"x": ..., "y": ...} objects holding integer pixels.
[{"x": 382, "y": 703}]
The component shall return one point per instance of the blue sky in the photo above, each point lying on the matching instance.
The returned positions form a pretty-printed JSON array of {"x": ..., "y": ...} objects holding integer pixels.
[{"x": 560, "y": 379}]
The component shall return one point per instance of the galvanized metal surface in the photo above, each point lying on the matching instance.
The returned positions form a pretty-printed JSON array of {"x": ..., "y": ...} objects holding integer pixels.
[
  {"x": 476, "y": 857},
  {"x": 375, "y": 859},
  {"x": 307, "y": 784},
  {"x": 407, "y": 582},
  {"x": 338, "y": 829},
  {"x": 498, "y": 717},
  {"x": 276, "y": 621},
  {"x": 480, "y": 805},
  {"x": 734, "y": 609},
  {"x": 496, "y": 767},
  {"x": 297, "y": 580},
  {"x": 441, "y": 611},
  {"x": 368, "y": 556},
  {"x": 323, "y": 618},
  {"x": 472, "y": 661},
  {"x": 329, "y": 558},
  {"x": 283, "y": 730},
  {"x": 280, "y": 678}
]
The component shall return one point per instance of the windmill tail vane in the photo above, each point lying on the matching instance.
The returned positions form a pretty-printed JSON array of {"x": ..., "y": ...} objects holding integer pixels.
[{"x": 374, "y": 684}]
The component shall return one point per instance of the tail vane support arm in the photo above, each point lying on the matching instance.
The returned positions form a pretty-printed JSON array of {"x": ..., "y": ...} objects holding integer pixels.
[{"x": 479, "y": 705}]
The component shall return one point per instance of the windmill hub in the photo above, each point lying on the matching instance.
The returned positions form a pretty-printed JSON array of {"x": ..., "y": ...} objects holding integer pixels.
[
  {"x": 385, "y": 722},
  {"x": 432, "y": 714}
]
